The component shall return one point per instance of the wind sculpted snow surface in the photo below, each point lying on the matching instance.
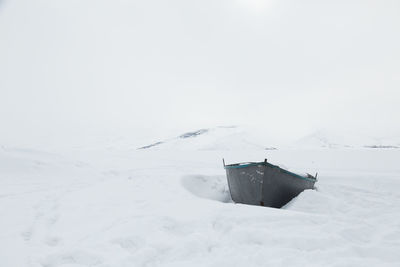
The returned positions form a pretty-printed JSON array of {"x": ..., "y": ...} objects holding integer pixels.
[{"x": 125, "y": 208}]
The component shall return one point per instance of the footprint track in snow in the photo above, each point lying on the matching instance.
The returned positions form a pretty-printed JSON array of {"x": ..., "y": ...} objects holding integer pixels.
[{"x": 131, "y": 244}]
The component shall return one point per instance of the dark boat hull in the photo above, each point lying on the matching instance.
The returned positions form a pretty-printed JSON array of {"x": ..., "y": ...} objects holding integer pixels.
[{"x": 265, "y": 184}]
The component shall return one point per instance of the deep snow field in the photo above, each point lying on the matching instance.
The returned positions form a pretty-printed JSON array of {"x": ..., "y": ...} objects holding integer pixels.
[{"x": 129, "y": 207}]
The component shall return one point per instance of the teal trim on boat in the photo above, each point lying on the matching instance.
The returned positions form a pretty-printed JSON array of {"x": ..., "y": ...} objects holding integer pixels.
[{"x": 245, "y": 165}]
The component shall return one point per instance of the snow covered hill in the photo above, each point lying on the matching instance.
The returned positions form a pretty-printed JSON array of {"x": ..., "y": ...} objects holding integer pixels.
[{"x": 218, "y": 138}]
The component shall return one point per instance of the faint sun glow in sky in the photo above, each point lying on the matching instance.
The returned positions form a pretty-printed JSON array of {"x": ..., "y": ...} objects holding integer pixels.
[{"x": 257, "y": 6}]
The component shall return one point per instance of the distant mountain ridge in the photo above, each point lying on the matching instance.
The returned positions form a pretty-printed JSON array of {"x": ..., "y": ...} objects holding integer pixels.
[
  {"x": 236, "y": 138},
  {"x": 324, "y": 139}
]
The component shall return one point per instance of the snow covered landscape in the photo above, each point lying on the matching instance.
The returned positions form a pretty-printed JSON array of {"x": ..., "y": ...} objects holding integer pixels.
[
  {"x": 116, "y": 116},
  {"x": 171, "y": 207}
]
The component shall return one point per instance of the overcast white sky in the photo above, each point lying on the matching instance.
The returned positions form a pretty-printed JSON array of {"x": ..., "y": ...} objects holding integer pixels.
[{"x": 70, "y": 69}]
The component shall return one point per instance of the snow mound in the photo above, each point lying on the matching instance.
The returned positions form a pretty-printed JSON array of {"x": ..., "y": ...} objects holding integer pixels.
[{"x": 312, "y": 201}]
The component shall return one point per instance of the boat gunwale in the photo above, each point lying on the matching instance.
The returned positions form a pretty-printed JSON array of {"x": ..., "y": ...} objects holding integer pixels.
[{"x": 264, "y": 163}]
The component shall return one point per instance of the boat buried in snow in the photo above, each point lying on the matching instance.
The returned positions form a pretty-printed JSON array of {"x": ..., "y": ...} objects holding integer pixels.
[{"x": 265, "y": 184}]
